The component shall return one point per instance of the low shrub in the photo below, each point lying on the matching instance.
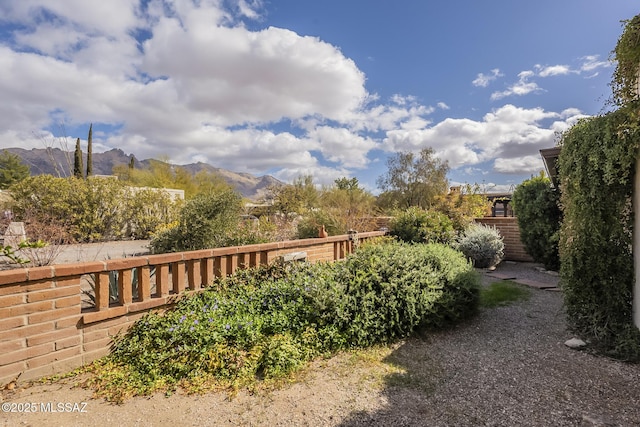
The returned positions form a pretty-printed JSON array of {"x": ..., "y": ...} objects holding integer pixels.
[
  {"x": 482, "y": 244},
  {"x": 211, "y": 219},
  {"x": 268, "y": 322},
  {"x": 420, "y": 226}
]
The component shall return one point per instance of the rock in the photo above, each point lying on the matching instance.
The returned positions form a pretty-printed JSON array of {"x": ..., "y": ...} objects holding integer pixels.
[{"x": 575, "y": 343}]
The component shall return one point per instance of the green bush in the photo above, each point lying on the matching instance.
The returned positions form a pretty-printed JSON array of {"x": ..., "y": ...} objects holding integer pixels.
[
  {"x": 420, "y": 226},
  {"x": 537, "y": 207},
  {"x": 208, "y": 220},
  {"x": 267, "y": 322},
  {"x": 311, "y": 222},
  {"x": 93, "y": 209},
  {"x": 596, "y": 248},
  {"x": 482, "y": 244}
]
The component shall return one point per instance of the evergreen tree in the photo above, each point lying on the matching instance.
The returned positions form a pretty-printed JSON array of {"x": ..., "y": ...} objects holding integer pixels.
[
  {"x": 89, "y": 151},
  {"x": 132, "y": 163},
  {"x": 12, "y": 169},
  {"x": 77, "y": 161}
]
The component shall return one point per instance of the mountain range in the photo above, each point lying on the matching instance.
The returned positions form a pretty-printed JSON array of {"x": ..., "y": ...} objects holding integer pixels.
[{"x": 58, "y": 162}]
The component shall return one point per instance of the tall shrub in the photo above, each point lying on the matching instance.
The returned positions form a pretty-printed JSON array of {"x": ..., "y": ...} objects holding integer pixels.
[
  {"x": 537, "y": 208},
  {"x": 597, "y": 171}
]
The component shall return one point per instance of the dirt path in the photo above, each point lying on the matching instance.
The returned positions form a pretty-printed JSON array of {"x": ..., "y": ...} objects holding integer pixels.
[{"x": 507, "y": 366}]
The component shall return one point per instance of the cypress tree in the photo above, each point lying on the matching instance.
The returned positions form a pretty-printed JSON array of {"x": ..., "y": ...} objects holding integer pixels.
[
  {"x": 132, "y": 163},
  {"x": 77, "y": 161},
  {"x": 89, "y": 151}
]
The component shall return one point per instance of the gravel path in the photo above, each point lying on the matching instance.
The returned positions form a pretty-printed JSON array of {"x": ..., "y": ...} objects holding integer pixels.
[{"x": 506, "y": 367}]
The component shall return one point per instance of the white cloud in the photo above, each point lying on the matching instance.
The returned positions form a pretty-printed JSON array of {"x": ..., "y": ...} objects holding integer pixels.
[
  {"x": 522, "y": 87},
  {"x": 592, "y": 62},
  {"x": 519, "y": 165},
  {"x": 507, "y": 133},
  {"x": 483, "y": 80},
  {"x": 342, "y": 146},
  {"x": 442, "y": 106},
  {"x": 553, "y": 70}
]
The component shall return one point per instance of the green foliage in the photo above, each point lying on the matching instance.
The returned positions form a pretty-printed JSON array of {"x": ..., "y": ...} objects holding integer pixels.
[
  {"x": 208, "y": 220},
  {"x": 462, "y": 205},
  {"x": 90, "y": 152},
  {"x": 12, "y": 169},
  {"x": 482, "y": 244},
  {"x": 503, "y": 293},
  {"x": 309, "y": 225},
  {"x": 413, "y": 180},
  {"x": 10, "y": 252},
  {"x": 268, "y": 322},
  {"x": 77, "y": 161},
  {"x": 597, "y": 164},
  {"x": 146, "y": 210},
  {"x": 91, "y": 209},
  {"x": 420, "y": 226},
  {"x": 342, "y": 207},
  {"x": 626, "y": 55},
  {"x": 537, "y": 207},
  {"x": 299, "y": 197}
]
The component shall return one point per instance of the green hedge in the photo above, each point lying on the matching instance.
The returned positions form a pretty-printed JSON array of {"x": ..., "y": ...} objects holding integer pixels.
[
  {"x": 537, "y": 207},
  {"x": 268, "y": 322},
  {"x": 597, "y": 168}
]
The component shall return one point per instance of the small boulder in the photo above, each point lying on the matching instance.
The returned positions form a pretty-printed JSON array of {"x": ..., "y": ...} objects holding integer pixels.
[{"x": 575, "y": 343}]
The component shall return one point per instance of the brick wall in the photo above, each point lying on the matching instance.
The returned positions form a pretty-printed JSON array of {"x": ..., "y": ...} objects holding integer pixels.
[
  {"x": 508, "y": 227},
  {"x": 45, "y": 330}
]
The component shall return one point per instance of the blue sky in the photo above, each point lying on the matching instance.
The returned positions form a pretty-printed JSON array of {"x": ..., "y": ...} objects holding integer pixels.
[{"x": 295, "y": 87}]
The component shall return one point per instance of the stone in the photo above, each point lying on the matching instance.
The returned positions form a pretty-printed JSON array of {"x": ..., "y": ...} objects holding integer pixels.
[{"x": 575, "y": 343}]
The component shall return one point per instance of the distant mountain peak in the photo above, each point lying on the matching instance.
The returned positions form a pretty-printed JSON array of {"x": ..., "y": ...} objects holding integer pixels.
[{"x": 58, "y": 162}]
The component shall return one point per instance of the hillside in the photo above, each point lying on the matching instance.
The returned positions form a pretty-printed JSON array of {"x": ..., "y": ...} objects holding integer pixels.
[{"x": 57, "y": 162}]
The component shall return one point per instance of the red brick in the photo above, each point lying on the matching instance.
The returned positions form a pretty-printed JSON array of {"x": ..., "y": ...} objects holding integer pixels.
[
  {"x": 146, "y": 305},
  {"x": 38, "y": 285},
  {"x": 53, "y": 314},
  {"x": 97, "y": 316},
  {"x": 164, "y": 258},
  {"x": 41, "y": 273},
  {"x": 78, "y": 269},
  {"x": 52, "y": 336},
  {"x": 10, "y": 300},
  {"x": 117, "y": 330},
  {"x": 68, "y": 321},
  {"x": 54, "y": 356},
  {"x": 91, "y": 336},
  {"x": 68, "y": 301},
  {"x": 26, "y": 353},
  {"x": 12, "y": 345},
  {"x": 69, "y": 342},
  {"x": 89, "y": 357},
  {"x": 97, "y": 345},
  {"x": 63, "y": 281},
  {"x": 11, "y": 323},
  {"x": 25, "y": 331},
  {"x": 49, "y": 294},
  {"x": 104, "y": 324},
  {"x": 22, "y": 309},
  {"x": 18, "y": 275},
  {"x": 125, "y": 263},
  {"x": 10, "y": 371},
  {"x": 11, "y": 289},
  {"x": 56, "y": 367}
]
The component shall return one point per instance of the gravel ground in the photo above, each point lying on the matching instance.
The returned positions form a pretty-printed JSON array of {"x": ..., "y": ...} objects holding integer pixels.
[{"x": 506, "y": 367}]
